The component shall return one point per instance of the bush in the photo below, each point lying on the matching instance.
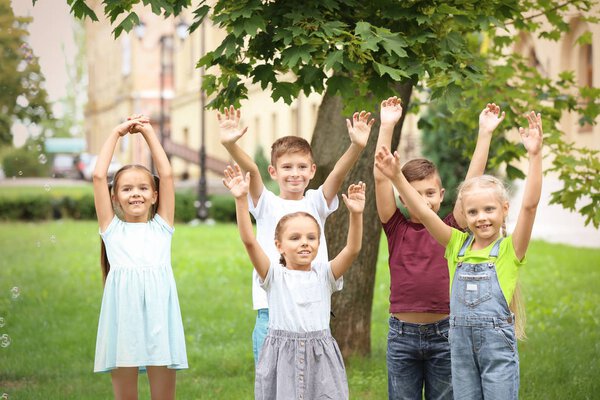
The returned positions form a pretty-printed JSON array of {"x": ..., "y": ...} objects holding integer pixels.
[
  {"x": 23, "y": 162},
  {"x": 27, "y": 208}
]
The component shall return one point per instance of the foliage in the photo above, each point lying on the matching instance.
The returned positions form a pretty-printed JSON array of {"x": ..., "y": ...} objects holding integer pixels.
[
  {"x": 24, "y": 162},
  {"x": 22, "y": 94}
]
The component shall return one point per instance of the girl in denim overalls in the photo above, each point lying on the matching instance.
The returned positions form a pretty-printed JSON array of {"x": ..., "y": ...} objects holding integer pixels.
[{"x": 484, "y": 266}]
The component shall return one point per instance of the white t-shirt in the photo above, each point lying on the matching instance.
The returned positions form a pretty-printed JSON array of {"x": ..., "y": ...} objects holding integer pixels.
[
  {"x": 268, "y": 211},
  {"x": 300, "y": 300}
]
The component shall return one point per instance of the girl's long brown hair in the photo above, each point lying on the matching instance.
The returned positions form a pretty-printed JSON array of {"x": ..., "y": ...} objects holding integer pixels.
[{"x": 155, "y": 181}]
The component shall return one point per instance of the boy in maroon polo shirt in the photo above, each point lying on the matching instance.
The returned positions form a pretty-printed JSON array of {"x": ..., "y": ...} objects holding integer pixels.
[{"x": 418, "y": 352}]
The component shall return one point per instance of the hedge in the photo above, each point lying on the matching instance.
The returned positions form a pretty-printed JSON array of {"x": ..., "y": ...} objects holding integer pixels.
[{"x": 28, "y": 207}]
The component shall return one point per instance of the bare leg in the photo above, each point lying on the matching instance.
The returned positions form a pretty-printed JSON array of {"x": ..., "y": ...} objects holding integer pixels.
[
  {"x": 162, "y": 383},
  {"x": 124, "y": 382}
]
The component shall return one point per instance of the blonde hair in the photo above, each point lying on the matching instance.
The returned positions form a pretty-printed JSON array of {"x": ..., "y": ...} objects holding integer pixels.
[
  {"x": 283, "y": 222},
  {"x": 517, "y": 303}
]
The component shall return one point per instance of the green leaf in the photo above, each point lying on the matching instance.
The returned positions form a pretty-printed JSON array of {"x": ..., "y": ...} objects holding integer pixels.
[
  {"x": 334, "y": 60},
  {"x": 584, "y": 38},
  {"x": 264, "y": 74},
  {"x": 292, "y": 55},
  {"x": 395, "y": 74},
  {"x": 127, "y": 24},
  {"x": 286, "y": 91},
  {"x": 81, "y": 10}
]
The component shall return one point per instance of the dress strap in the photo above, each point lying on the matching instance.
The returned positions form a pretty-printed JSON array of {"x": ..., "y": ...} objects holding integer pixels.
[{"x": 466, "y": 245}]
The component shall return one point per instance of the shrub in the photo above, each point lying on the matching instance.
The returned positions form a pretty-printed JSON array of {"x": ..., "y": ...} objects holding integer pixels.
[{"x": 23, "y": 162}]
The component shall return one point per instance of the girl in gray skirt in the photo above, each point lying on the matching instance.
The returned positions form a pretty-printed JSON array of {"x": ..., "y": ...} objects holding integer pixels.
[{"x": 299, "y": 359}]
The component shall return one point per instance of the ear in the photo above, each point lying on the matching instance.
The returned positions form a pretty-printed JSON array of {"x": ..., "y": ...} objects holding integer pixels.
[
  {"x": 442, "y": 192},
  {"x": 154, "y": 197},
  {"x": 505, "y": 209},
  {"x": 278, "y": 246},
  {"x": 313, "y": 170},
  {"x": 272, "y": 171}
]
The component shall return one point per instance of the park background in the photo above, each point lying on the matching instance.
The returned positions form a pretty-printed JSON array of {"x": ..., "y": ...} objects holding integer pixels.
[{"x": 49, "y": 281}]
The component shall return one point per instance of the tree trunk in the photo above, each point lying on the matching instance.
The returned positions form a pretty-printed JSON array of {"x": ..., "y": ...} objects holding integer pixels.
[{"x": 351, "y": 325}]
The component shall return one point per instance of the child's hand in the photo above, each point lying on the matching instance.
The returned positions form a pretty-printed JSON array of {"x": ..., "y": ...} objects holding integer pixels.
[
  {"x": 532, "y": 138},
  {"x": 355, "y": 200},
  {"x": 360, "y": 128},
  {"x": 236, "y": 182},
  {"x": 133, "y": 124},
  {"x": 229, "y": 123},
  {"x": 388, "y": 163},
  {"x": 391, "y": 111},
  {"x": 490, "y": 117}
]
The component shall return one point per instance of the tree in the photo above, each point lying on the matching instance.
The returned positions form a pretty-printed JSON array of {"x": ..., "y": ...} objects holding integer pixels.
[
  {"x": 357, "y": 53},
  {"x": 22, "y": 96}
]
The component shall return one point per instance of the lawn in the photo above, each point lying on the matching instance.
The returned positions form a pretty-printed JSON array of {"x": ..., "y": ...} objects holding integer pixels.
[{"x": 51, "y": 317}]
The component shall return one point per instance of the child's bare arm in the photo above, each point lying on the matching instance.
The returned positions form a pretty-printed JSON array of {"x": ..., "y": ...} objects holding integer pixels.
[
  {"x": 489, "y": 119},
  {"x": 385, "y": 200},
  {"x": 230, "y": 133},
  {"x": 102, "y": 199},
  {"x": 238, "y": 185},
  {"x": 389, "y": 165},
  {"x": 532, "y": 140},
  {"x": 166, "y": 188},
  {"x": 359, "y": 130},
  {"x": 355, "y": 201}
]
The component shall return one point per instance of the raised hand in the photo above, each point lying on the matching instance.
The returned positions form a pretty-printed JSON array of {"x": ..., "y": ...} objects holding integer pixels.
[
  {"x": 388, "y": 163},
  {"x": 229, "y": 127},
  {"x": 490, "y": 117},
  {"x": 532, "y": 137},
  {"x": 360, "y": 128},
  {"x": 391, "y": 111},
  {"x": 355, "y": 200},
  {"x": 132, "y": 125},
  {"x": 236, "y": 181}
]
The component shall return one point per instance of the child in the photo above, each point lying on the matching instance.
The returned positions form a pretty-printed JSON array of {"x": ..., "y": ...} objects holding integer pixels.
[
  {"x": 300, "y": 359},
  {"x": 484, "y": 267},
  {"x": 140, "y": 324},
  {"x": 292, "y": 167},
  {"x": 418, "y": 352}
]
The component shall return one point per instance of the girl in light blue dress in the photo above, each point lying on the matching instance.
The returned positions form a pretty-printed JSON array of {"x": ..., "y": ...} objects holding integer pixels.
[{"x": 140, "y": 324}]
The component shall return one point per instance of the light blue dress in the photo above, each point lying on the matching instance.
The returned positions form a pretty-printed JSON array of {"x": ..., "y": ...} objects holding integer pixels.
[{"x": 140, "y": 320}]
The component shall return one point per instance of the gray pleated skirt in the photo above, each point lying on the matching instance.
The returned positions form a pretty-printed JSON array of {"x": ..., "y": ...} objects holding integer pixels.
[{"x": 300, "y": 366}]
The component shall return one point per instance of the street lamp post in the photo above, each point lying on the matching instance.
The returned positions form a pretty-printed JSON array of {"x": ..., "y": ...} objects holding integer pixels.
[{"x": 202, "y": 211}]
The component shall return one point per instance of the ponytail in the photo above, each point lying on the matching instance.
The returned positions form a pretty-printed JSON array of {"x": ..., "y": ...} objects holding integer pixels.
[{"x": 517, "y": 306}]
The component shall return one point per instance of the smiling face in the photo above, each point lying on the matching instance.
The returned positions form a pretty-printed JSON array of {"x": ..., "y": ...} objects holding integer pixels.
[
  {"x": 485, "y": 213},
  {"x": 135, "y": 194},
  {"x": 431, "y": 192},
  {"x": 298, "y": 241},
  {"x": 293, "y": 172}
]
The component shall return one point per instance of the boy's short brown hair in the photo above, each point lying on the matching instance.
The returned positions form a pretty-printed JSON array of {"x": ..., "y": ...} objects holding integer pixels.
[
  {"x": 419, "y": 169},
  {"x": 289, "y": 144}
]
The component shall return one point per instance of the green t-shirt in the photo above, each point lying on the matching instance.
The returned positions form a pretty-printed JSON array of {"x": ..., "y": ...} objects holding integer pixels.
[{"x": 507, "y": 263}]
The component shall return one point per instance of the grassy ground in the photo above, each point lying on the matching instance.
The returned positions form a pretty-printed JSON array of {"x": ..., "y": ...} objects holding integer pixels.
[{"x": 52, "y": 318}]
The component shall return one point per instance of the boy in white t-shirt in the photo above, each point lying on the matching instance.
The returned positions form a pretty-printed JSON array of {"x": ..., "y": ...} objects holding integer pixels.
[{"x": 292, "y": 167}]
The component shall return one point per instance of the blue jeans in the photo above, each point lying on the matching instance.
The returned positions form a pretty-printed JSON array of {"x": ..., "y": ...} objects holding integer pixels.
[
  {"x": 260, "y": 332},
  {"x": 418, "y": 357}
]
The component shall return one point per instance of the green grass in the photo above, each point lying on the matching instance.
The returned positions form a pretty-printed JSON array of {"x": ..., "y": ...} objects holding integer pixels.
[{"x": 52, "y": 323}]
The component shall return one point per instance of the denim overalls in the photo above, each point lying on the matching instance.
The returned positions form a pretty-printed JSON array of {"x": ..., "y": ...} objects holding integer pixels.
[{"x": 485, "y": 361}]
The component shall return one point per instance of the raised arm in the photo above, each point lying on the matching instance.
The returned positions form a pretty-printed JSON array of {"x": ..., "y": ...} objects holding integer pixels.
[
  {"x": 355, "y": 201},
  {"x": 389, "y": 115},
  {"x": 102, "y": 198},
  {"x": 238, "y": 184},
  {"x": 489, "y": 119},
  {"x": 166, "y": 188},
  {"x": 359, "y": 130},
  {"x": 389, "y": 165},
  {"x": 532, "y": 140},
  {"x": 230, "y": 132}
]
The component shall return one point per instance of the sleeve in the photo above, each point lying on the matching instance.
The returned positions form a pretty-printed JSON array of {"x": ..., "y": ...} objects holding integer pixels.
[
  {"x": 262, "y": 203},
  {"x": 333, "y": 284},
  {"x": 454, "y": 244},
  {"x": 109, "y": 228},
  {"x": 317, "y": 198},
  {"x": 509, "y": 249},
  {"x": 266, "y": 283},
  {"x": 391, "y": 226},
  {"x": 163, "y": 224}
]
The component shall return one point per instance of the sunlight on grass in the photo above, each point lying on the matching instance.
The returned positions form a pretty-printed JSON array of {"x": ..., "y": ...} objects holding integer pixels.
[{"x": 52, "y": 322}]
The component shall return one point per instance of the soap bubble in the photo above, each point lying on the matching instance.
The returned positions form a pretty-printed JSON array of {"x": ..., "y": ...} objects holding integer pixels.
[
  {"x": 15, "y": 292},
  {"x": 4, "y": 340},
  {"x": 47, "y": 187},
  {"x": 42, "y": 159},
  {"x": 53, "y": 238},
  {"x": 20, "y": 173},
  {"x": 2, "y": 322}
]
